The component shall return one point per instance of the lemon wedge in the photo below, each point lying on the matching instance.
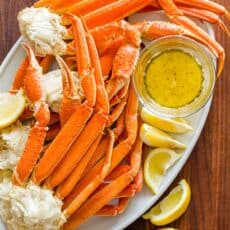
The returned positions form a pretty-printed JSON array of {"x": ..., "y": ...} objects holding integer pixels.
[
  {"x": 154, "y": 137},
  {"x": 11, "y": 107},
  {"x": 172, "y": 206},
  {"x": 177, "y": 125},
  {"x": 157, "y": 162}
]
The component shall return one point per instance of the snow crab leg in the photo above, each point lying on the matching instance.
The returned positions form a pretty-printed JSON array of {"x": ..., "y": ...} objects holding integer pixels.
[
  {"x": 115, "y": 10},
  {"x": 34, "y": 144},
  {"x": 93, "y": 178},
  {"x": 18, "y": 82},
  {"x": 112, "y": 210},
  {"x": 206, "y": 16},
  {"x": 20, "y": 75},
  {"x": 96, "y": 124},
  {"x": 177, "y": 16},
  {"x": 207, "y": 5},
  {"x": 124, "y": 196},
  {"x": 71, "y": 100},
  {"x": 85, "y": 7},
  {"x": 66, "y": 187},
  {"x": 121, "y": 9},
  {"x": 98, "y": 13},
  {"x": 107, "y": 193},
  {"x": 73, "y": 127}
]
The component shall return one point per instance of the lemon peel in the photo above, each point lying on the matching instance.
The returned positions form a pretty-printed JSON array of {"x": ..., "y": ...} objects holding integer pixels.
[
  {"x": 157, "y": 162},
  {"x": 12, "y": 106},
  {"x": 172, "y": 206},
  {"x": 177, "y": 125},
  {"x": 155, "y": 137}
]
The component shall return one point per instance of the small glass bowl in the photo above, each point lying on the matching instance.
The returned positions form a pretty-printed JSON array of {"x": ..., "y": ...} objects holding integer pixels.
[{"x": 202, "y": 56}]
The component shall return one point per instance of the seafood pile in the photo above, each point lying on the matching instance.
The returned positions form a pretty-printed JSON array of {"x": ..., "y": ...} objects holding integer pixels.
[{"x": 79, "y": 146}]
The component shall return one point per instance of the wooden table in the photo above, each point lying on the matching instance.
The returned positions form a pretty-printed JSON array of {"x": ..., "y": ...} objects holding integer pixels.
[{"x": 207, "y": 170}]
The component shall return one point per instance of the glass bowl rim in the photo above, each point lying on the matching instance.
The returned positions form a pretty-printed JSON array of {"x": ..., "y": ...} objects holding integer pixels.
[{"x": 203, "y": 49}]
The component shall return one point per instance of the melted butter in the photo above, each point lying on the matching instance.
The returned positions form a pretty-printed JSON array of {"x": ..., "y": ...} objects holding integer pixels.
[{"x": 174, "y": 79}]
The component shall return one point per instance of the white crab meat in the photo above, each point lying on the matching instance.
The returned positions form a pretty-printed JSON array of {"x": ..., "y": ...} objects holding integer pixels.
[
  {"x": 12, "y": 144},
  {"x": 42, "y": 30},
  {"x": 54, "y": 90},
  {"x": 31, "y": 207}
]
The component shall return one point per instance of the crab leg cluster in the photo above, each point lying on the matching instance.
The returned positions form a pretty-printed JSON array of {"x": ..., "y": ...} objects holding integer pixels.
[
  {"x": 82, "y": 128},
  {"x": 94, "y": 152},
  {"x": 109, "y": 11}
]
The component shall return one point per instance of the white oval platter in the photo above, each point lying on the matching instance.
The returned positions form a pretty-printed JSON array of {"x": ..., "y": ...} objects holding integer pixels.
[{"x": 145, "y": 199}]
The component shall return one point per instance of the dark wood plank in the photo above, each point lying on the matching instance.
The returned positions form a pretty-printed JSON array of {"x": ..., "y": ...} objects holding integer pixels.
[{"x": 208, "y": 169}]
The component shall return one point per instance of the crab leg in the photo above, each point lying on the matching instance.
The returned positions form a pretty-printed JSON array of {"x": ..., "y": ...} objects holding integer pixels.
[
  {"x": 42, "y": 3},
  {"x": 114, "y": 12},
  {"x": 71, "y": 100},
  {"x": 118, "y": 171},
  {"x": 122, "y": 8},
  {"x": 133, "y": 188},
  {"x": 123, "y": 66},
  {"x": 34, "y": 144},
  {"x": 117, "y": 110},
  {"x": 205, "y": 15},
  {"x": 177, "y": 16},
  {"x": 129, "y": 191},
  {"x": 28, "y": 114},
  {"x": 124, "y": 196},
  {"x": 114, "y": 210},
  {"x": 107, "y": 193},
  {"x": 206, "y": 4},
  {"x": 89, "y": 133},
  {"x": 77, "y": 150},
  {"x": 21, "y": 72},
  {"x": 120, "y": 94},
  {"x": 74, "y": 177},
  {"x": 93, "y": 179},
  {"x": 154, "y": 29},
  {"x": 77, "y": 121},
  {"x": 85, "y": 7},
  {"x": 120, "y": 124},
  {"x": 56, "y": 4},
  {"x": 102, "y": 101},
  {"x": 97, "y": 201},
  {"x": 20, "y": 75},
  {"x": 67, "y": 186},
  {"x": 99, "y": 153},
  {"x": 108, "y": 156}
]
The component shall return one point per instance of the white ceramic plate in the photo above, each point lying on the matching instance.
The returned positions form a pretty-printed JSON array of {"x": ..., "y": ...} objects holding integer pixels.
[{"x": 145, "y": 199}]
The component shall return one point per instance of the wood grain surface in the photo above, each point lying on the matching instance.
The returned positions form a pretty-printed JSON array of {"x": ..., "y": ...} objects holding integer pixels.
[{"x": 207, "y": 170}]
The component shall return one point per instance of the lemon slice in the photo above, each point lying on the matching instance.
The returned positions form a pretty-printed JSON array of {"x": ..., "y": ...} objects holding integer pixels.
[
  {"x": 157, "y": 162},
  {"x": 172, "y": 206},
  {"x": 154, "y": 137},
  {"x": 11, "y": 107},
  {"x": 177, "y": 125}
]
